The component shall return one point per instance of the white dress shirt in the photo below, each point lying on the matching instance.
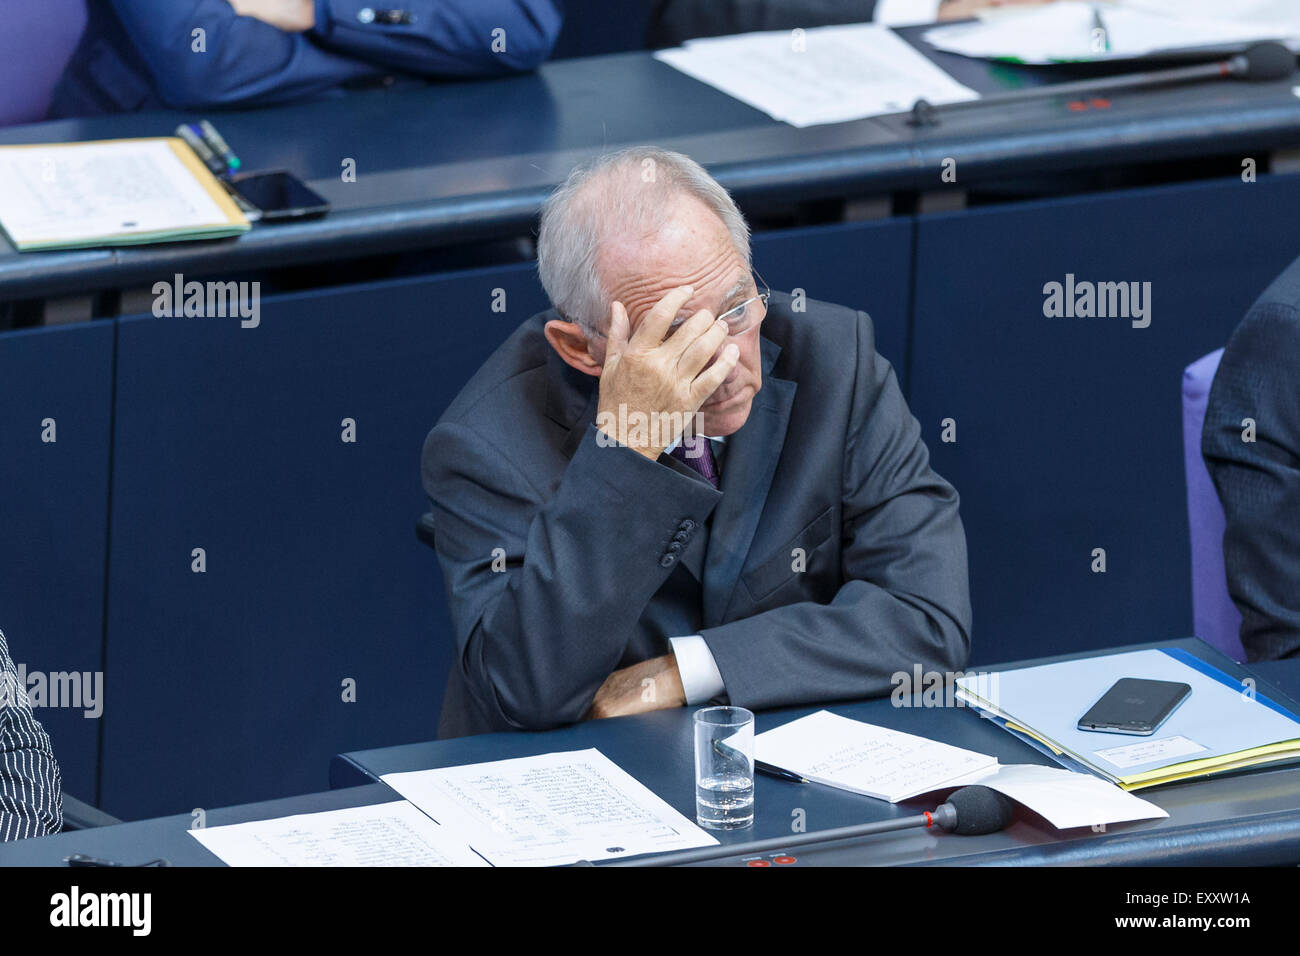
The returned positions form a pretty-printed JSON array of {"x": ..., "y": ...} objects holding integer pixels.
[{"x": 701, "y": 679}]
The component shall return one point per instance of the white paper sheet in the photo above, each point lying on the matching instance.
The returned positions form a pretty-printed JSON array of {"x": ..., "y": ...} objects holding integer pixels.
[
  {"x": 549, "y": 810},
  {"x": 86, "y": 190},
  {"x": 385, "y": 834},
  {"x": 863, "y": 758},
  {"x": 839, "y": 73},
  {"x": 1067, "y": 799},
  {"x": 1064, "y": 31}
]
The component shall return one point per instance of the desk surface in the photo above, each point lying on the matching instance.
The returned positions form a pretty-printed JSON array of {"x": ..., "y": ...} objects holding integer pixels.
[
  {"x": 1246, "y": 818},
  {"x": 168, "y": 837},
  {"x": 454, "y": 162}
]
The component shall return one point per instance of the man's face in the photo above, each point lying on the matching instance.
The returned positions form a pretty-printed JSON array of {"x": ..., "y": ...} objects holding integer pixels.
[{"x": 695, "y": 249}]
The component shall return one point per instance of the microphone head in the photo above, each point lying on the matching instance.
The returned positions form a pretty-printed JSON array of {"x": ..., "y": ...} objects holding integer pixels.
[
  {"x": 1266, "y": 61},
  {"x": 980, "y": 810}
]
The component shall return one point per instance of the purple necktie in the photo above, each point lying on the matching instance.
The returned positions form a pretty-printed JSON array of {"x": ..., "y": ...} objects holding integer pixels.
[{"x": 697, "y": 454}]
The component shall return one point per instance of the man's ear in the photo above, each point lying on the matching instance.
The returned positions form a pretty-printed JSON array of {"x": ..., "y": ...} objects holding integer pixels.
[{"x": 571, "y": 344}]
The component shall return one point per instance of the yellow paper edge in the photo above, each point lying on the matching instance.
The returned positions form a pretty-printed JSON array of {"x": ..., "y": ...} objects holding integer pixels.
[{"x": 235, "y": 222}]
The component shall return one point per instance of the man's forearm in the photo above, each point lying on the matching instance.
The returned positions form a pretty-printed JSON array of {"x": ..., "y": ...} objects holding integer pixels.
[
  {"x": 848, "y": 649},
  {"x": 540, "y": 636}
]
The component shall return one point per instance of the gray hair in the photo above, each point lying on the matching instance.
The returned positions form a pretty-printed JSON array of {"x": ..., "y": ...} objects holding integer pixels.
[{"x": 630, "y": 192}]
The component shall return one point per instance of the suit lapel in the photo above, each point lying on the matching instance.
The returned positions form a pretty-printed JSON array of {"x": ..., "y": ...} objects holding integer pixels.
[
  {"x": 752, "y": 456},
  {"x": 571, "y": 399}
]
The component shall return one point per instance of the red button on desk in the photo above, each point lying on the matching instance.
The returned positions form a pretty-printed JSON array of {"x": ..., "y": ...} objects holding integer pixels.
[
  {"x": 758, "y": 863},
  {"x": 1100, "y": 103},
  {"x": 1077, "y": 105},
  {"x": 783, "y": 859}
]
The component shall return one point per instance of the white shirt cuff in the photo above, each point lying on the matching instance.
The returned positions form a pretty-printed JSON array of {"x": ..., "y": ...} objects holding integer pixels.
[
  {"x": 701, "y": 680},
  {"x": 905, "y": 13}
]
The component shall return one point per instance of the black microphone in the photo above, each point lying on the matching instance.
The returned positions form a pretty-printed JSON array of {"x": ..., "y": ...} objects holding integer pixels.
[
  {"x": 1259, "y": 63},
  {"x": 977, "y": 810},
  {"x": 970, "y": 811}
]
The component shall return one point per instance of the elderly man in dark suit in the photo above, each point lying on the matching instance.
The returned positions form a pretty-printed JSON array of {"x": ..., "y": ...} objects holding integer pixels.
[
  {"x": 677, "y": 486},
  {"x": 1251, "y": 445}
]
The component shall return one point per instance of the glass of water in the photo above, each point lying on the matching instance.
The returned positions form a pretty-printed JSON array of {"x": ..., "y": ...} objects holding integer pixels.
[{"x": 724, "y": 768}]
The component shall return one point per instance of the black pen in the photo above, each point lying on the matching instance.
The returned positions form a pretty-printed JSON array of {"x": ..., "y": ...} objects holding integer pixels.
[
  {"x": 771, "y": 771},
  {"x": 764, "y": 768}
]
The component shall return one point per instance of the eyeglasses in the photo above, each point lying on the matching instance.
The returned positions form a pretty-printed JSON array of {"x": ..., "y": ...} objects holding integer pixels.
[{"x": 739, "y": 318}]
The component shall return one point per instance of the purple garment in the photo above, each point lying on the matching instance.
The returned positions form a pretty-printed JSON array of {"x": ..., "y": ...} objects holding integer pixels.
[
  {"x": 36, "y": 40},
  {"x": 697, "y": 454},
  {"x": 1215, "y": 618}
]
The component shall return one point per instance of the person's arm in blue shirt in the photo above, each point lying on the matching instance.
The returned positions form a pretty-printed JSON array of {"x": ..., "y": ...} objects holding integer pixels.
[
  {"x": 443, "y": 37},
  {"x": 243, "y": 60}
]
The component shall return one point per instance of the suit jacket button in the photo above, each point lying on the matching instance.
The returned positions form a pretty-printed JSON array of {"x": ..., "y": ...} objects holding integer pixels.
[
  {"x": 681, "y": 535},
  {"x": 688, "y": 526},
  {"x": 675, "y": 547},
  {"x": 667, "y": 560}
]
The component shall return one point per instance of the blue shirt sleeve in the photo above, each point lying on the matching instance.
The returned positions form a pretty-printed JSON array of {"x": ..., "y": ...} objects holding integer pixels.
[
  {"x": 442, "y": 37},
  {"x": 201, "y": 53}
]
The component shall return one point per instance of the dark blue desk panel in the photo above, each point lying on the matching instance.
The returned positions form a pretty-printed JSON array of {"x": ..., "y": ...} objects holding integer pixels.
[
  {"x": 53, "y": 506},
  {"x": 226, "y": 686},
  {"x": 167, "y": 837},
  {"x": 1069, "y": 430},
  {"x": 862, "y": 265},
  {"x": 1284, "y": 675},
  {"x": 1246, "y": 818}
]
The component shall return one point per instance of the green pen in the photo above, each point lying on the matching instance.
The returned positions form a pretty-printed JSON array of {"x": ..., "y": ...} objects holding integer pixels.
[{"x": 219, "y": 146}]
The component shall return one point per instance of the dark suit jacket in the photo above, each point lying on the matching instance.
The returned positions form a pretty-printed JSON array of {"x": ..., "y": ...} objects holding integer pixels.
[
  {"x": 1259, "y": 482},
  {"x": 137, "y": 54},
  {"x": 607, "y": 554}
]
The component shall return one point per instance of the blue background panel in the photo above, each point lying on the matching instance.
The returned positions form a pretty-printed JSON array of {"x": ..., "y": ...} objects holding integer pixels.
[
  {"x": 863, "y": 265},
  {"x": 226, "y": 686},
  {"x": 53, "y": 518},
  {"x": 1069, "y": 433}
]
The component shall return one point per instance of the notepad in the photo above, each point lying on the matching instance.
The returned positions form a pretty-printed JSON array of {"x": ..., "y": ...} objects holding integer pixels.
[
  {"x": 863, "y": 758},
  {"x": 890, "y": 765},
  {"x": 1223, "y": 725},
  {"x": 111, "y": 193}
]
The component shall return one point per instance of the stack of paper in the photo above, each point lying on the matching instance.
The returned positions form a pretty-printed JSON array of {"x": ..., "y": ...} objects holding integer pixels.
[
  {"x": 547, "y": 810},
  {"x": 1222, "y": 726},
  {"x": 1068, "y": 31},
  {"x": 822, "y": 75},
  {"x": 890, "y": 765},
  {"x": 112, "y": 193}
]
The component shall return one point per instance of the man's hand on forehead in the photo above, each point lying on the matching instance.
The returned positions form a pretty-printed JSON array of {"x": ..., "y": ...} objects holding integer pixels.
[
  {"x": 652, "y": 381},
  {"x": 729, "y": 300}
]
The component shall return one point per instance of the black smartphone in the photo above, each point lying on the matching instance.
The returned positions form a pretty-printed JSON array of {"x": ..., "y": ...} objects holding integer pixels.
[
  {"x": 1135, "y": 706},
  {"x": 279, "y": 195}
]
